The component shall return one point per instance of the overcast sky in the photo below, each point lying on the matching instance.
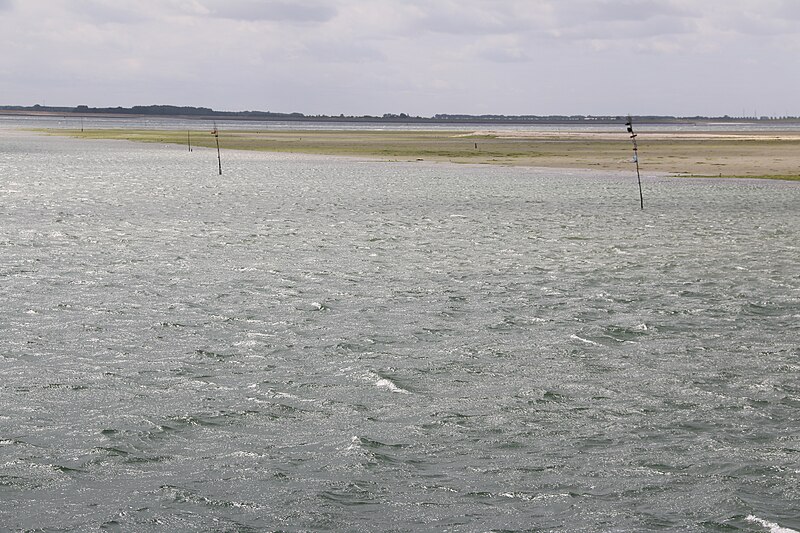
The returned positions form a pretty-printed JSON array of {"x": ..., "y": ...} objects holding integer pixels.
[{"x": 421, "y": 57}]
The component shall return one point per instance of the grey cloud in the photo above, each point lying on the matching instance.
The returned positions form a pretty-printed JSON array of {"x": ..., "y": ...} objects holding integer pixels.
[
  {"x": 751, "y": 18},
  {"x": 275, "y": 10},
  {"x": 105, "y": 11},
  {"x": 344, "y": 52},
  {"x": 790, "y": 10},
  {"x": 465, "y": 22},
  {"x": 574, "y": 19},
  {"x": 624, "y": 10},
  {"x": 609, "y": 17},
  {"x": 619, "y": 23},
  {"x": 624, "y": 31},
  {"x": 481, "y": 17},
  {"x": 505, "y": 55}
]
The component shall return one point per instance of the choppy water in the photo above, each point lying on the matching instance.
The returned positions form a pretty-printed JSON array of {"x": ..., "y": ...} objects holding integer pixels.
[{"x": 318, "y": 344}]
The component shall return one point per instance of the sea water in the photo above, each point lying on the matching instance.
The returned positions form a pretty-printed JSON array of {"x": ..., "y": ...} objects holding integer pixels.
[{"x": 318, "y": 344}]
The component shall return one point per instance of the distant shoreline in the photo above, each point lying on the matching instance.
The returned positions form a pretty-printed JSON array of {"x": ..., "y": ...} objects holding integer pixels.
[{"x": 194, "y": 113}]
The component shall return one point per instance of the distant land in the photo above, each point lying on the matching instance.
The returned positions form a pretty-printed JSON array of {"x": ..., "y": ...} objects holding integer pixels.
[{"x": 206, "y": 113}]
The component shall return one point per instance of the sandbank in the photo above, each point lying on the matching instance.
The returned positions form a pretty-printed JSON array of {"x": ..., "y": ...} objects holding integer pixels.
[{"x": 713, "y": 154}]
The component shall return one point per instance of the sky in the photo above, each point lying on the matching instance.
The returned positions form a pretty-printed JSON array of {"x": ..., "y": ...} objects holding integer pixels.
[{"x": 420, "y": 57}]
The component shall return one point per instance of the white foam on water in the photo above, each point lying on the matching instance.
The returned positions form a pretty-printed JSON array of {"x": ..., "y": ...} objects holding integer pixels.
[
  {"x": 772, "y": 526},
  {"x": 587, "y": 341},
  {"x": 248, "y": 343},
  {"x": 385, "y": 383},
  {"x": 532, "y": 497}
]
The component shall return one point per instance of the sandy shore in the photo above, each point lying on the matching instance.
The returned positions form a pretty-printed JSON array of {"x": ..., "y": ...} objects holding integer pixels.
[{"x": 727, "y": 154}]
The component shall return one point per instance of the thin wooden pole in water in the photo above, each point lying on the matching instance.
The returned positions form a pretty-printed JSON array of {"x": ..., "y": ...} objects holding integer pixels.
[
  {"x": 629, "y": 124},
  {"x": 219, "y": 157}
]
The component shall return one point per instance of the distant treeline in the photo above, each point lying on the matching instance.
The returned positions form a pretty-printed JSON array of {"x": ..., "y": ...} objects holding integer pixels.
[
  {"x": 153, "y": 110},
  {"x": 205, "y": 112}
]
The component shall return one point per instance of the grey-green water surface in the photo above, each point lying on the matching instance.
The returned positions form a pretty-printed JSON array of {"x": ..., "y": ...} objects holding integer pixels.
[{"x": 312, "y": 344}]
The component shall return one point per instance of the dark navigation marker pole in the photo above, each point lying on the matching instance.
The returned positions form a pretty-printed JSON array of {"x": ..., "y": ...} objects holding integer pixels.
[
  {"x": 189, "y": 139},
  {"x": 629, "y": 124},
  {"x": 215, "y": 133}
]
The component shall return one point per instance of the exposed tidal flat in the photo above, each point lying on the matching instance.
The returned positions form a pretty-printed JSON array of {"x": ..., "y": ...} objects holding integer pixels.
[
  {"x": 312, "y": 343},
  {"x": 772, "y": 154}
]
